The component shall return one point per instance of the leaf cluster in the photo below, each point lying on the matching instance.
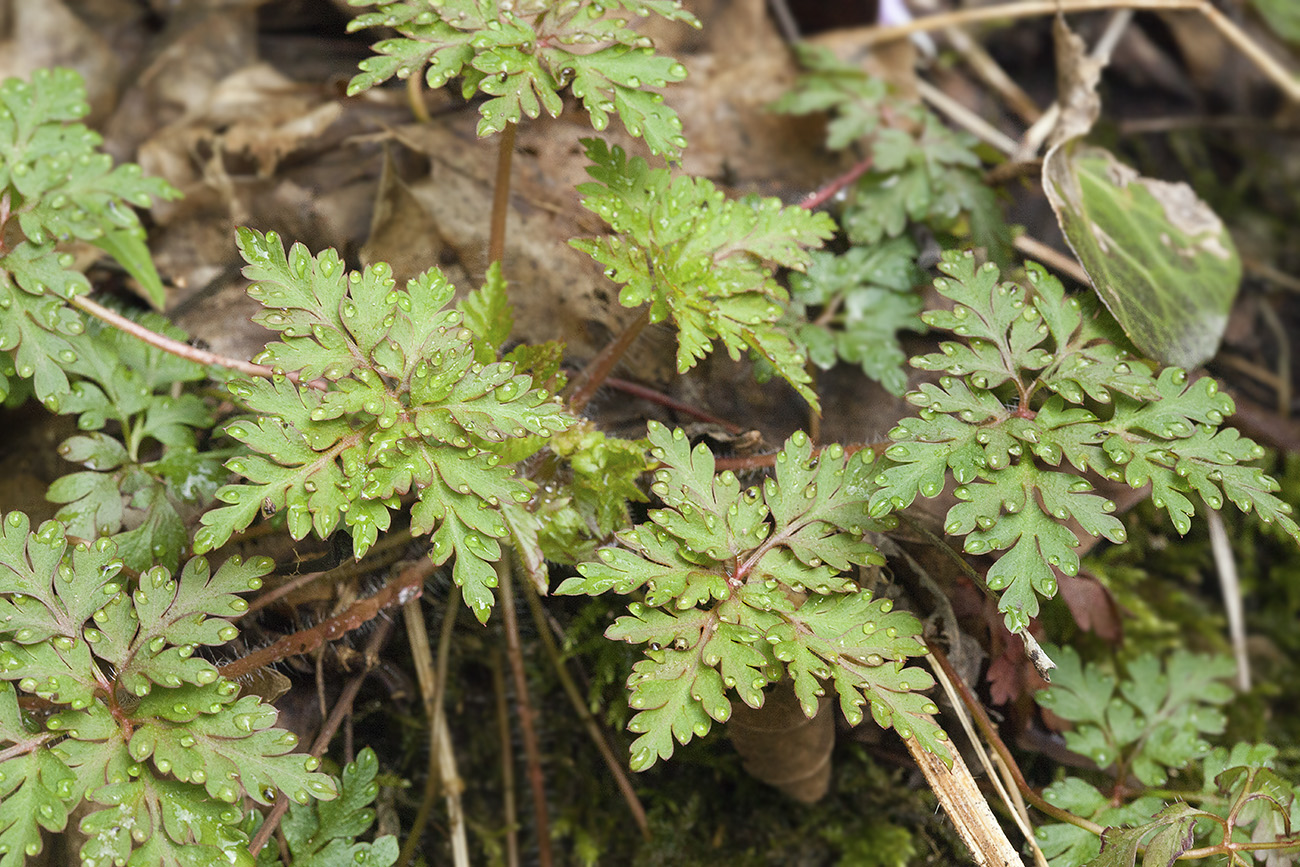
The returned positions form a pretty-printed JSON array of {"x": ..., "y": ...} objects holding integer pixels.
[
  {"x": 149, "y": 735},
  {"x": 385, "y": 399},
  {"x": 146, "y": 473},
  {"x": 523, "y": 55},
  {"x": 1148, "y": 723},
  {"x": 702, "y": 260},
  {"x": 1038, "y": 381},
  {"x": 921, "y": 172},
  {"x": 324, "y": 833},
  {"x": 740, "y": 588},
  {"x": 55, "y": 185},
  {"x": 862, "y": 298}
]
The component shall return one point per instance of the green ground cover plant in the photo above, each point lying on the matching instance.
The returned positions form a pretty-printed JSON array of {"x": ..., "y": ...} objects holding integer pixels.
[{"x": 381, "y": 407}]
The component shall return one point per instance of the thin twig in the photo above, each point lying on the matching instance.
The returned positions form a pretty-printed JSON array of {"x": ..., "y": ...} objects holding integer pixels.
[
  {"x": 433, "y": 685},
  {"x": 507, "y": 762},
  {"x": 580, "y": 707},
  {"x": 1230, "y": 586},
  {"x": 501, "y": 195},
  {"x": 342, "y": 708},
  {"x": 383, "y": 553},
  {"x": 967, "y": 119},
  {"x": 1274, "y": 70},
  {"x": 991, "y": 735},
  {"x": 506, "y": 595},
  {"x": 1049, "y": 256}
]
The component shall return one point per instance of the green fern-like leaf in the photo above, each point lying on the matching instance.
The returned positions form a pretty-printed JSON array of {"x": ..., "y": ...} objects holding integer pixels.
[
  {"x": 56, "y": 185},
  {"x": 524, "y": 55},
  {"x": 1034, "y": 384},
  {"x": 403, "y": 406},
  {"x": 865, "y": 297},
  {"x": 741, "y": 587},
  {"x": 699, "y": 259},
  {"x": 323, "y": 833},
  {"x": 145, "y": 731},
  {"x": 123, "y": 380}
]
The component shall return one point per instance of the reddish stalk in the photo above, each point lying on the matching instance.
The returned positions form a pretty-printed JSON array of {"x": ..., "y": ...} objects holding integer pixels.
[
  {"x": 501, "y": 195},
  {"x": 407, "y": 586},
  {"x": 646, "y": 393},
  {"x": 584, "y": 386},
  {"x": 177, "y": 347},
  {"x": 826, "y": 193},
  {"x": 514, "y": 650}
]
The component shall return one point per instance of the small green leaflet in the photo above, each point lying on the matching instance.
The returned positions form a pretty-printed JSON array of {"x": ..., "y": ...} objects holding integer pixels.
[
  {"x": 402, "y": 405},
  {"x": 743, "y": 588},
  {"x": 1282, "y": 15},
  {"x": 520, "y": 55},
  {"x": 1157, "y": 255},
  {"x": 323, "y": 833},
  {"x": 1035, "y": 383},
  {"x": 148, "y": 733},
  {"x": 700, "y": 259}
]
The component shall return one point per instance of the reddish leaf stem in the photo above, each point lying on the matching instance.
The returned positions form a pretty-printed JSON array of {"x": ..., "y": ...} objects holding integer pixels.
[
  {"x": 407, "y": 586},
  {"x": 177, "y": 347},
  {"x": 826, "y": 193},
  {"x": 647, "y": 393},
  {"x": 584, "y": 386},
  {"x": 505, "y": 575}
]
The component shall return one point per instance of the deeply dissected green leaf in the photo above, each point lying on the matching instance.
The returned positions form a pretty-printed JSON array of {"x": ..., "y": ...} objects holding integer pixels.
[
  {"x": 725, "y": 575},
  {"x": 1160, "y": 259},
  {"x": 866, "y": 297},
  {"x": 699, "y": 259},
  {"x": 56, "y": 185},
  {"x": 401, "y": 406},
  {"x": 147, "y": 732},
  {"x": 323, "y": 834},
  {"x": 523, "y": 56},
  {"x": 120, "y": 380},
  {"x": 1031, "y": 388}
]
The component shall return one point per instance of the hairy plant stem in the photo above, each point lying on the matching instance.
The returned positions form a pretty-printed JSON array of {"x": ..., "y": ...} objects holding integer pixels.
[
  {"x": 514, "y": 650},
  {"x": 433, "y": 685},
  {"x": 177, "y": 347},
  {"x": 580, "y": 707},
  {"x": 586, "y": 383},
  {"x": 342, "y": 707},
  {"x": 501, "y": 195}
]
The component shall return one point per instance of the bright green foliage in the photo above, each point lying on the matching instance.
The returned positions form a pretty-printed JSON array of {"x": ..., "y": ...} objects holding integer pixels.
[
  {"x": 54, "y": 186},
  {"x": 1036, "y": 381},
  {"x": 584, "y": 491},
  {"x": 1152, "y": 720},
  {"x": 402, "y": 406},
  {"x": 865, "y": 297},
  {"x": 921, "y": 171},
  {"x": 324, "y": 833},
  {"x": 122, "y": 378},
  {"x": 524, "y": 54},
  {"x": 150, "y": 735},
  {"x": 741, "y": 588},
  {"x": 699, "y": 258}
]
